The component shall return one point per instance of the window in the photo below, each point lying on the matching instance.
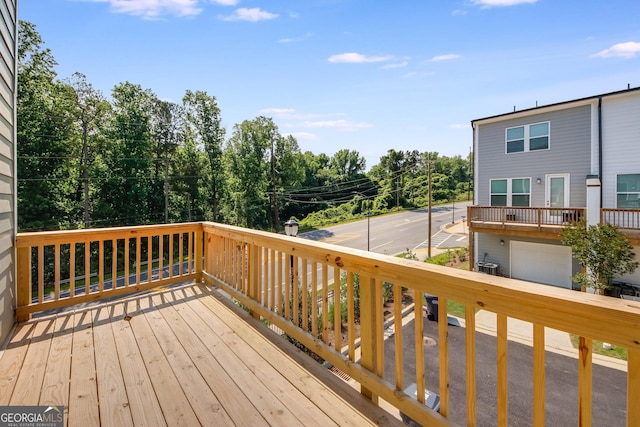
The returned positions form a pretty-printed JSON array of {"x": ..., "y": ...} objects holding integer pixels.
[
  {"x": 527, "y": 138},
  {"x": 510, "y": 192},
  {"x": 499, "y": 192},
  {"x": 628, "y": 191}
]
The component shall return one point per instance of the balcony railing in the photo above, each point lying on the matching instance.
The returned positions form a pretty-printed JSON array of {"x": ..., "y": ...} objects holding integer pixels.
[
  {"x": 624, "y": 219},
  {"x": 527, "y": 216},
  {"x": 287, "y": 282}
]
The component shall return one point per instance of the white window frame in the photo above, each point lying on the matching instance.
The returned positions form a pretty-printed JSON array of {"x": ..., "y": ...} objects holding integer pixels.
[
  {"x": 510, "y": 192},
  {"x": 527, "y": 138}
]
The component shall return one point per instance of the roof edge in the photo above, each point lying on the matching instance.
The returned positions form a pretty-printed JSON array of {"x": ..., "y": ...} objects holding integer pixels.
[{"x": 572, "y": 101}]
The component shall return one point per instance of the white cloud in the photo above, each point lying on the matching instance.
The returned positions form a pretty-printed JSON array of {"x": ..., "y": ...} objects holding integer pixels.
[
  {"x": 252, "y": 15},
  {"x": 225, "y": 2},
  {"x": 415, "y": 74},
  {"x": 342, "y": 125},
  {"x": 460, "y": 126},
  {"x": 277, "y": 110},
  {"x": 624, "y": 50},
  {"x": 295, "y": 39},
  {"x": 447, "y": 57},
  {"x": 291, "y": 114},
  {"x": 303, "y": 136},
  {"x": 357, "y": 58},
  {"x": 151, "y": 9},
  {"x": 397, "y": 65},
  {"x": 501, "y": 3}
]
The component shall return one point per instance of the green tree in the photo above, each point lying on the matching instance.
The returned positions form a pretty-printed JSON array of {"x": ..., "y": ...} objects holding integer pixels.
[
  {"x": 126, "y": 191},
  {"x": 45, "y": 126},
  {"x": 289, "y": 173},
  {"x": 203, "y": 117},
  {"x": 247, "y": 172},
  {"x": 91, "y": 111},
  {"x": 188, "y": 167},
  {"x": 167, "y": 131},
  {"x": 603, "y": 250}
]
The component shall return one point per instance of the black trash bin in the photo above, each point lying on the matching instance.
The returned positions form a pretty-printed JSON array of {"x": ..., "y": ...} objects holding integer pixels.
[{"x": 432, "y": 307}]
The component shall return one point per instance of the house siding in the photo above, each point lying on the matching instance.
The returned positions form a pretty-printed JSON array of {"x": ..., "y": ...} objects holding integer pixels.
[
  {"x": 569, "y": 152},
  {"x": 621, "y": 137},
  {"x": 8, "y": 34}
]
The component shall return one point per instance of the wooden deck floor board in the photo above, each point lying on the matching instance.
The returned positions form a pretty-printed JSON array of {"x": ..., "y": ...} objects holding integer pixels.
[
  {"x": 303, "y": 372},
  {"x": 55, "y": 385},
  {"x": 266, "y": 398},
  {"x": 145, "y": 408},
  {"x": 29, "y": 383},
  {"x": 226, "y": 390},
  {"x": 175, "y": 405},
  {"x": 182, "y": 356},
  {"x": 290, "y": 396},
  {"x": 112, "y": 394},
  {"x": 83, "y": 390},
  {"x": 201, "y": 397},
  {"x": 12, "y": 360}
]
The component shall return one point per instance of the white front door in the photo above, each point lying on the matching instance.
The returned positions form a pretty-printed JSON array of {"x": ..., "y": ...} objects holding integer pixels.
[
  {"x": 557, "y": 191},
  {"x": 556, "y": 196}
]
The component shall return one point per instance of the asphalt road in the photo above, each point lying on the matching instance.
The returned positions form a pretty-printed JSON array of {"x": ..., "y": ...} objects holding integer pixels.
[
  {"x": 393, "y": 234},
  {"x": 561, "y": 404}
]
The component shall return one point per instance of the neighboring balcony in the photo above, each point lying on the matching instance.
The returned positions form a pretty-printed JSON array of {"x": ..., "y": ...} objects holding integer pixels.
[
  {"x": 546, "y": 222},
  {"x": 141, "y": 327},
  {"x": 522, "y": 221},
  {"x": 627, "y": 220}
]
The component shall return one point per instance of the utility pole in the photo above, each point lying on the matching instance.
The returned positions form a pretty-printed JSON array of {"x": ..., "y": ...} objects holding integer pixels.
[
  {"x": 429, "y": 179},
  {"x": 276, "y": 221}
]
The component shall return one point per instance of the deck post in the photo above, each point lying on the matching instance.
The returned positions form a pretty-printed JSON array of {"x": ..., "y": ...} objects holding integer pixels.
[
  {"x": 198, "y": 252},
  {"x": 254, "y": 275},
  {"x": 471, "y": 243},
  {"x": 23, "y": 282},
  {"x": 633, "y": 388},
  {"x": 369, "y": 326}
]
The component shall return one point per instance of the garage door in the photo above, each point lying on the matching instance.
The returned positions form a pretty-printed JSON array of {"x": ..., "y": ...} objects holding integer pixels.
[{"x": 537, "y": 262}]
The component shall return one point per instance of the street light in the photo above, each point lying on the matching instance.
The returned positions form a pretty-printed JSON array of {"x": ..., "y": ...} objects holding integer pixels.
[
  {"x": 368, "y": 217},
  {"x": 453, "y": 212}
]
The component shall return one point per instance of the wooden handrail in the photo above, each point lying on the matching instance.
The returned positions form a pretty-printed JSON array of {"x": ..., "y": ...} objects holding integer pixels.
[
  {"x": 255, "y": 268},
  {"x": 101, "y": 263}
]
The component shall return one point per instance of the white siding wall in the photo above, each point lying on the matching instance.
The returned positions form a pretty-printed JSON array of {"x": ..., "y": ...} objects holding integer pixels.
[
  {"x": 620, "y": 142},
  {"x": 8, "y": 33}
]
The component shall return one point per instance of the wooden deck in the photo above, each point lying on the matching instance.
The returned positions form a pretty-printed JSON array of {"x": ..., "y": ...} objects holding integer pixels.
[{"x": 178, "y": 356}]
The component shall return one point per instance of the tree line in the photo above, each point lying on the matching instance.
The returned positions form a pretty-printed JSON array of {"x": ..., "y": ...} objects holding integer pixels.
[{"x": 85, "y": 160}]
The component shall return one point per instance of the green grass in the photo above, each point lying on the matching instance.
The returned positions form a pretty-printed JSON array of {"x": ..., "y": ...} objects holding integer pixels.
[
  {"x": 455, "y": 308},
  {"x": 615, "y": 351}
]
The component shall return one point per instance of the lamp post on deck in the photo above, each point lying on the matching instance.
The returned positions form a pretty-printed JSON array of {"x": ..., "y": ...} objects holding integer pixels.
[{"x": 291, "y": 229}]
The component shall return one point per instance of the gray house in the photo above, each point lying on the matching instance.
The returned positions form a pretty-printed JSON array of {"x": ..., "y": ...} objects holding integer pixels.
[
  {"x": 8, "y": 220},
  {"x": 540, "y": 169}
]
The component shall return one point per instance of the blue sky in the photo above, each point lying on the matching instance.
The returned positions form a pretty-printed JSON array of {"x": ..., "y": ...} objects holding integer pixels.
[{"x": 367, "y": 75}]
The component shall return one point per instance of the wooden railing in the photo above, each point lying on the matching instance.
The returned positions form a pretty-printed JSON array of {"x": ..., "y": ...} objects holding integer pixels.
[
  {"x": 625, "y": 219},
  {"x": 287, "y": 281},
  {"x": 61, "y": 268},
  {"x": 525, "y": 215}
]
